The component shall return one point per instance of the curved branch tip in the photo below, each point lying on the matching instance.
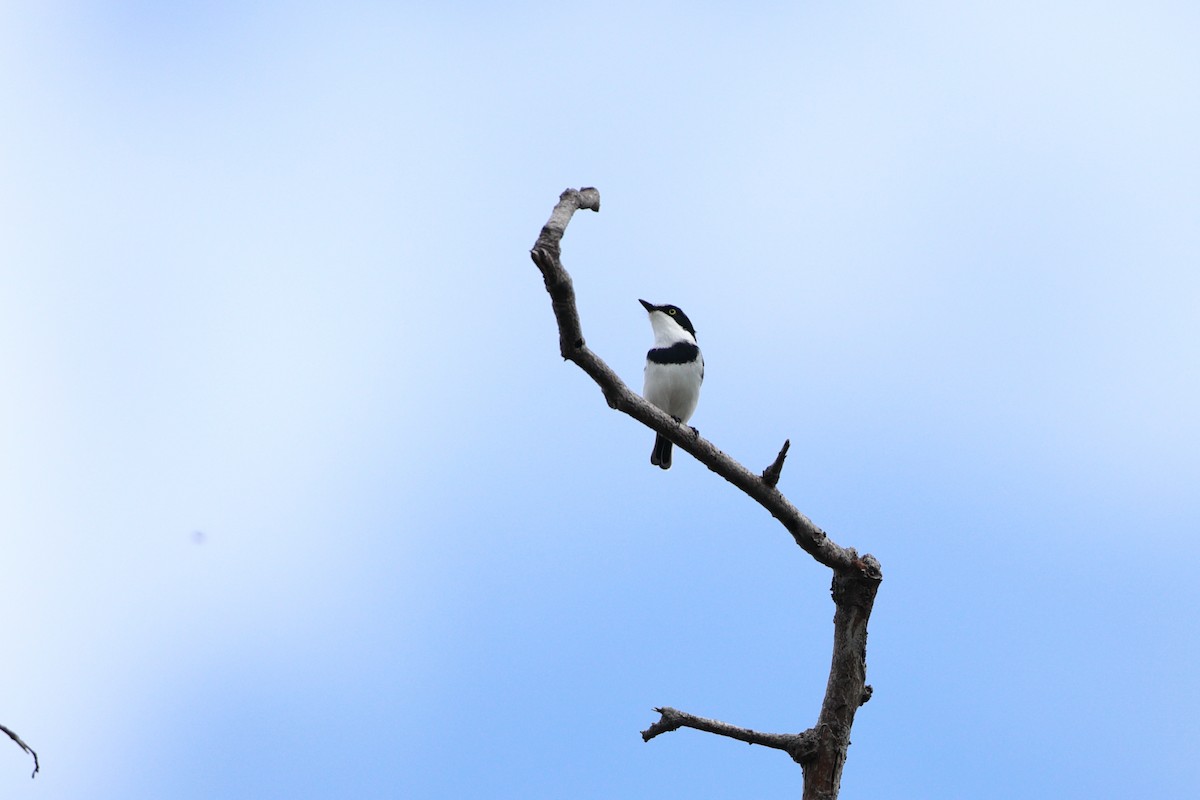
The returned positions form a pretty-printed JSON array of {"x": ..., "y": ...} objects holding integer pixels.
[{"x": 21, "y": 743}]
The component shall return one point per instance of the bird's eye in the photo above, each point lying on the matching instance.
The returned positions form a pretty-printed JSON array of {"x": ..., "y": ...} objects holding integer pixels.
[{"x": 671, "y": 311}]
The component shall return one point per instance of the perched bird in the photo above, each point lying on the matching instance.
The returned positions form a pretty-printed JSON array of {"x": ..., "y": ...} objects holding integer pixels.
[{"x": 674, "y": 371}]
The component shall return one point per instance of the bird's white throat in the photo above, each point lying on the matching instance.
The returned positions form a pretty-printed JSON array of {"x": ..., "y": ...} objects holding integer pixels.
[{"x": 667, "y": 331}]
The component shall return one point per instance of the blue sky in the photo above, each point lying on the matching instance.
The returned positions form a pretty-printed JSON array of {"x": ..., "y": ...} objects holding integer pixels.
[{"x": 298, "y": 500}]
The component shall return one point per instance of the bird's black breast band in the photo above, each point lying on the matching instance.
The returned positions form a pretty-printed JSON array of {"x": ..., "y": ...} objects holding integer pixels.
[{"x": 678, "y": 353}]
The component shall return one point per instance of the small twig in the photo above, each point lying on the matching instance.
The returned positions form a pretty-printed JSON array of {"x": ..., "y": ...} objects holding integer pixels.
[
  {"x": 800, "y": 746},
  {"x": 771, "y": 474},
  {"x": 24, "y": 747}
]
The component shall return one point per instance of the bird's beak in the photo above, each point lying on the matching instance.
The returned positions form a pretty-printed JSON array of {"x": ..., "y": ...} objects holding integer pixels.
[{"x": 647, "y": 306}]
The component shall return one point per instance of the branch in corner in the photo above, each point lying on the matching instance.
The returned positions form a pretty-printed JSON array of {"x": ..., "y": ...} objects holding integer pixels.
[{"x": 12, "y": 735}]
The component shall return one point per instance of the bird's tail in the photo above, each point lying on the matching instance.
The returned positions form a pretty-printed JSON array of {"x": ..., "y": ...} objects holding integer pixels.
[{"x": 660, "y": 456}]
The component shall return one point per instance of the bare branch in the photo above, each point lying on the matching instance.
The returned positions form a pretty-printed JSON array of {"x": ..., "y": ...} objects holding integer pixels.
[
  {"x": 800, "y": 746},
  {"x": 771, "y": 474},
  {"x": 24, "y": 747},
  {"x": 546, "y": 255},
  {"x": 821, "y": 750}
]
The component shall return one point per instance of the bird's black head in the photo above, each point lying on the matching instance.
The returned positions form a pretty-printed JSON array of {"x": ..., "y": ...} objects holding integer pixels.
[{"x": 674, "y": 312}]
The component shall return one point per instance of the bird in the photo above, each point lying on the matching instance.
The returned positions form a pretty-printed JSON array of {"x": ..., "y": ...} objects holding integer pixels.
[{"x": 674, "y": 371}]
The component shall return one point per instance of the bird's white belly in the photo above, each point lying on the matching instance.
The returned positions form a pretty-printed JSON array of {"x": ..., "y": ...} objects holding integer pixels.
[{"x": 675, "y": 388}]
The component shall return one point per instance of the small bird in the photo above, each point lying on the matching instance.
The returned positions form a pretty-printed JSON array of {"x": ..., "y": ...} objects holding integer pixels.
[{"x": 674, "y": 371}]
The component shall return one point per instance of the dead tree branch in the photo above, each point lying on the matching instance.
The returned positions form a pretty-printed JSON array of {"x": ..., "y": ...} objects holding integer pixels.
[
  {"x": 821, "y": 750},
  {"x": 12, "y": 735},
  {"x": 800, "y": 746}
]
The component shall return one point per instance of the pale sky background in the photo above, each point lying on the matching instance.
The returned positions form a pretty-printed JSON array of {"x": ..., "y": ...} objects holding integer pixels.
[{"x": 297, "y": 499}]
